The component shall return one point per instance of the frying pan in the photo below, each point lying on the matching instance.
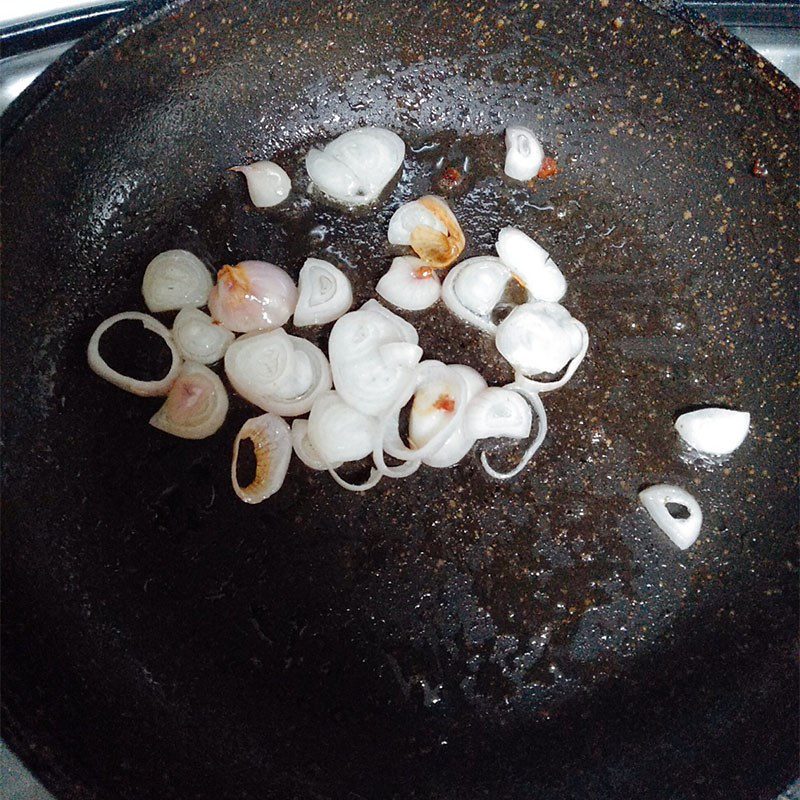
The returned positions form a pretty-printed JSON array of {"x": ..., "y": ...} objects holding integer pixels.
[{"x": 444, "y": 636}]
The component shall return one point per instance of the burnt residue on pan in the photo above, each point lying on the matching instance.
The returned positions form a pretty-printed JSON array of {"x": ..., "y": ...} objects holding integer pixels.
[{"x": 445, "y": 635}]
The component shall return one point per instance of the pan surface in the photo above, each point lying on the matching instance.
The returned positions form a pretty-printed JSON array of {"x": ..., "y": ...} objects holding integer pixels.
[{"x": 444, "y": 636}]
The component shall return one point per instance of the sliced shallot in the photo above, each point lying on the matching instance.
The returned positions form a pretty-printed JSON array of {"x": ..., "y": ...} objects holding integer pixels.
[
  {"x": 303, "y": 448},
  {"x": 531, "y": 265},
  {"x": 277, "y": 372},
  {"x": 473, "y": 288},
  {"x": 438, "y": 250},
  {"x": 716, "y": 431},
  {"x": 498, "y": 412},
  {"x": 176, "y": 279},
  {"x": 196, "y": 405},
  {"x": 337, "y": 431},
  {"x": 541, "y": 431},
  {"x": 542, "y": 337},
  {"x": 410, "y": 284},
  {"x": 524, "y": 154},
  {"x": 133, "y": 385},
  {"x": 408, "y": 217},
  {"x": 461, "y": 439},
  {"x": 267, "y": 183},
  {"x": 683, "y": 531},
  {"x": 355, "y": 168},
  {"x": 272, "y": 446},
  {"x": 372, "y": 353},
  {"x": 325, "y": 293},
  {"x": 253, "y": 295},
  {"x": 198, "y": 337}
]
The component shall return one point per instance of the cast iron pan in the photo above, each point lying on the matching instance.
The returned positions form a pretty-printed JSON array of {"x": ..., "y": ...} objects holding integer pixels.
[{"x": 445, "y": 636}]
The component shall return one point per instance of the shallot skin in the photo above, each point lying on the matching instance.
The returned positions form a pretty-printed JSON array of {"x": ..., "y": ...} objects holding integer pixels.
[{"x": 253, "y": 295}]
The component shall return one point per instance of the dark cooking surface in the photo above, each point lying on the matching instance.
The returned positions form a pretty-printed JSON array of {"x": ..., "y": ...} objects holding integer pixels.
[{"x": 446, "y": 635}]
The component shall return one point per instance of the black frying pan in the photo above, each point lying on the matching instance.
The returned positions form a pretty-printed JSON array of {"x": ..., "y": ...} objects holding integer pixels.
[{"x": 445, "y": 636}]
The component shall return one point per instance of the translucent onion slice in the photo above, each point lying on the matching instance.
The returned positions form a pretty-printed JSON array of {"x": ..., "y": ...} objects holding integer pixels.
[
  {"x": 438, "y": 250},
  {"x": 253, "y": 295},
  {"x": 409, "y": 216},
  {"x": 303, "y": 448},
  {"x": 176, "y": 279},
  {"x": 524, "y": 154},
  {"x": 141, "y": 388},
  {"x": 498, "y": 412},
  {"x": 196, "y": 405},
  {"x": 683, "y": 532},
  {"x": 410, "y": 284},
  {"x": 272, "y": 444},
  {"x": 267, "y": 183},
  {"x": 277, "y": 372},
  {"x": 716, "y": 431},
  {"x": 531, "y": 265},
  {"x": 473, "y": 288},
  {"x": 541, "y": 337},
  {"x": 372, "y": 353},
  {"x": 541, "y": 432},
  {"x": 198, "y": 337},
  {"x": 356, "y": 167},
  {"x": 337, "y": 431},
  {"x": 325, "y": 293}
]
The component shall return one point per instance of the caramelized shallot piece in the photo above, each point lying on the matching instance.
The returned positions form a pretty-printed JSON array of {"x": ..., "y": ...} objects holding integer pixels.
[
  {"x": 438, "y": 250},
  {"x": 253, "y": 295},
  {"x": 272, "y": 446},
  {"x": 196, "y": 405}
]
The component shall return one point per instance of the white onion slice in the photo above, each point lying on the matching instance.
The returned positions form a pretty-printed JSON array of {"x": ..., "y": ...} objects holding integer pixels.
[
  {"x": 410, "y": 284},
  {"x": 198, "y": 337},
  {"x": 409, "y": 216},
  {"x": 682, "y": 532},
  {"x": 196, "y": 405},
  {"x": 368, "y": 375},
  {"x": 176, "y": 279},
  {"x": 498, "y": 412},
  {"x": 325, "y": 293},
  {"x": 472, "y": 289},
  {"x": 277, "y": 372},
  {"x": 141, "y": 388},
  {"x": 272, "y": 444},
  {"x": 267, "y": 183},
  {"x": 357, "y": 166},
  {"x": 524, "y": 153},
  {"x": 716, "y": 431},
  {"x": 531, "y": 264},
  {"x": 253, "y": 295},
  {"x": 542, "y": 337},
  {"x": 541, "y": 415},
  {"x": 303, "y": 448},
  {"x": 337, "y": 431}
]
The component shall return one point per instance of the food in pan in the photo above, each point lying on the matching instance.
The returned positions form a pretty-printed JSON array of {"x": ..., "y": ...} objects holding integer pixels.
[
  {"x": 267, "y": 183},
  {"x": 374, "y": 370}
]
